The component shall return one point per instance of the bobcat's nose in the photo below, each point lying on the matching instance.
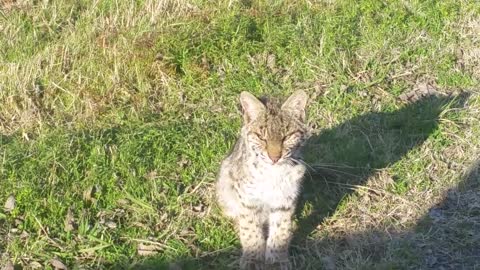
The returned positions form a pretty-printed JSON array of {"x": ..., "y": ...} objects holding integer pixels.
[
  {"x": 274, "y": 150},
  {"x": 274, "y": 158}
]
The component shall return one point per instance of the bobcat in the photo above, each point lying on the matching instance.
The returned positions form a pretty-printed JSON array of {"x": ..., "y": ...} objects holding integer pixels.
[{"x": 259, "y": 182}]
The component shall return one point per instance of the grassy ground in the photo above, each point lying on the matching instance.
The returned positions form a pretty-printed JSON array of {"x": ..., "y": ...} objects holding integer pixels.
[{"x": 114, "y": 117}]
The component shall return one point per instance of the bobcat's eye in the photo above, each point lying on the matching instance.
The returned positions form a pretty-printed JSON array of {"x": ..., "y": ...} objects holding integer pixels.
[
  {"x": 293, "y": 134},
  {"x": 260, "y": 136}
]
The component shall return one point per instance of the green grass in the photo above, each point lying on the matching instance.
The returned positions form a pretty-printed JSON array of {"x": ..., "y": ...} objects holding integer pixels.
[{"x": 119, "y": 114}]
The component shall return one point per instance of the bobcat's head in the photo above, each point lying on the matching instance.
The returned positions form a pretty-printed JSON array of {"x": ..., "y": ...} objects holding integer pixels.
[{"x": 274, "y": 131}]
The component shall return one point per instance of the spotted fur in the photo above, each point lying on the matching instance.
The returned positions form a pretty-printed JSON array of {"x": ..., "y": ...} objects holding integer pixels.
[{"x": 259, "y": 182}]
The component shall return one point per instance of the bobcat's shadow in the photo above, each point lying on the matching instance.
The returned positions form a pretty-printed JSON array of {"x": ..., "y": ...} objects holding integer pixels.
[{"x": 344, "y": 156}]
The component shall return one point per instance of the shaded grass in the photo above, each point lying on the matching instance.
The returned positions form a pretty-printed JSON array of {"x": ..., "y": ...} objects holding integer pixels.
[{"x": 349, "y": 157}]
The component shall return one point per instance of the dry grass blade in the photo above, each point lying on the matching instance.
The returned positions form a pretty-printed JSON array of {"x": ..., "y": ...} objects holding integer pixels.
[
  {"x": 111, "y": 224},
  {"x": 89, "y": 194},
  {"x": 57, "y": 264},
  {"x": 69, "y": 223},
  {"x": 150, "y": 243},
  {"x": 8, "y": 266},
  {"x": 420, "y": 91},
  {"x": 147, "y": 250},
  {"x": 35, "y": 265},
  {"x": 9, "y": 203}
]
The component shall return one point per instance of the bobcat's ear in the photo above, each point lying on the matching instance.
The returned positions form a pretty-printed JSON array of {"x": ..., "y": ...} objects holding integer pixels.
[
  {"x": 251, "y": 106},
  {"x": 296, "y": 103}
]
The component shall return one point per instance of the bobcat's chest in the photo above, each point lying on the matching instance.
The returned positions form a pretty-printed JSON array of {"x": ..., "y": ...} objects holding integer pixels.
[{"x": 273, "y": 186}]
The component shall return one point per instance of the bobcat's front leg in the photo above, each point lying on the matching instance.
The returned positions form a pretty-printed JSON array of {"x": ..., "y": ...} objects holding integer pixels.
[
  {"x": 279, "y": 236},
  {"x": 252, "y": 238}
]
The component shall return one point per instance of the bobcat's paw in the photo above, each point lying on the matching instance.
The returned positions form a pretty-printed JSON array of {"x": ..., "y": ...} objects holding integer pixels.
[
  {"x": 279, "y": 266},
  {"x": 277, "y": 260},
  {"x": 249, "y": 263}
]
